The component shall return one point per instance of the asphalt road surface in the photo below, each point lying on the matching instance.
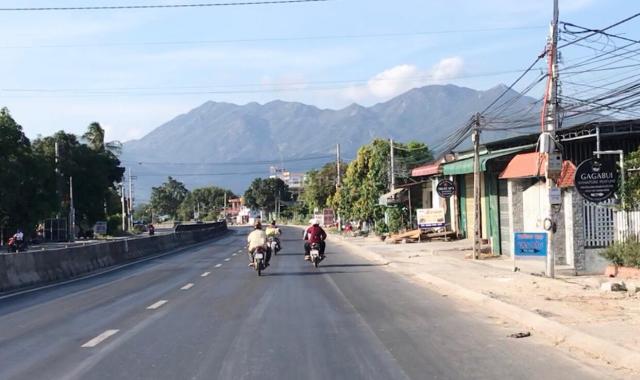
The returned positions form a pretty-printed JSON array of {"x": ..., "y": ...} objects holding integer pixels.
[{"x": 203, "y": 314}]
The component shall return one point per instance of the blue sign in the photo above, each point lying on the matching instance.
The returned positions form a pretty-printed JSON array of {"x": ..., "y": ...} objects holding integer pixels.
[{"x": 530, "y": 244}]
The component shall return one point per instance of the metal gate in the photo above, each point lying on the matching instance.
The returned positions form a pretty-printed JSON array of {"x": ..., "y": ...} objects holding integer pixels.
[{"x": 599, "y": 224}]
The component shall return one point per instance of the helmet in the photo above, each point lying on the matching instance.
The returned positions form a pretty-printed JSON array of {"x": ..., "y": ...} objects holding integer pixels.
[
  {"x": 273, "y": 223},
  {"x": 313, "y": 222},
  {"x": 258, "y": 226}
]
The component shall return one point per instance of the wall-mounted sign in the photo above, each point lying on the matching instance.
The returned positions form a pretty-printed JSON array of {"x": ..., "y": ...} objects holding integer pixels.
[
  {"x": 555, "y": 196},
  {"x": 596, "y": 179},
  {"x": 431, "y": 217},
  {"x": 530, "y": 244},
  {"x": 446, "y": 188}
]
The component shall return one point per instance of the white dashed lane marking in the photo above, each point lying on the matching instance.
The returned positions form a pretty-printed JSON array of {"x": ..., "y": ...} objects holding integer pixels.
[
  {"x": 187, "y": 287},
  {"x": 218, "y": 265},
  {"x": 157, "y": 305},
  {"x": 100, "y": 338},
  {"x": 205, "y": 274},
  {"x": 227, "y": 259}
]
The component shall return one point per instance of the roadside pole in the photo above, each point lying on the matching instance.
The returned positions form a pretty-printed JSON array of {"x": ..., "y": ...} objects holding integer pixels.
[
  {"x": 476, "y": 186},
  {"x": 130, "y": 208},
  {"x": 72, "y": 212},
  {"x": 393, "y": 166},
  {"x": 338, "y": 182},
  {"x": 124, "y": 212},
  {"x": 547, "y": 139}
]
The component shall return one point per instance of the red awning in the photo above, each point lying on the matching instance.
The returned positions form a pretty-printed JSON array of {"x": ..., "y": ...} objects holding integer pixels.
[
  {"x": 528, "y": 165},
  {"x": 426, "y": 170},
  {"x": 525, "y": 165}
]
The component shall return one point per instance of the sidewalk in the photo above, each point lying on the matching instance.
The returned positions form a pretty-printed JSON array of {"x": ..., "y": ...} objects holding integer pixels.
[{"x": 571, "y": 311}]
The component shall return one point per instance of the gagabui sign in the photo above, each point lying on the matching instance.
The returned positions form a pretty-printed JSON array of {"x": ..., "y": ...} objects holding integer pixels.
[{"x": 596, "y": 179}]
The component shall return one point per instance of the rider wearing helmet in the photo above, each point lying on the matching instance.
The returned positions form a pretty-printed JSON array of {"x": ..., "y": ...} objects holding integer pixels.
[
  {"x": 314, "y": 234},
  {"x": 257, "y": 238},
  {"x": 274, "y": 232}
]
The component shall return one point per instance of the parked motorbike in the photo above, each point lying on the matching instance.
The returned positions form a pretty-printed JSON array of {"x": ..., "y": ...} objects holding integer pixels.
[
  {"x": 259, "y": 257},
  {"x": 314, "y": 254},
  {"x": 273, "y": 245}
]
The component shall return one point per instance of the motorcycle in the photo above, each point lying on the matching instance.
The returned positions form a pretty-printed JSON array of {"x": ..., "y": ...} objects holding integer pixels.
[
  {"x": 14, "y": 245},
  {"x": 259, "y": 260},
  {"x": 314, "y": 254},
  {"x": 273, "y": 245}
]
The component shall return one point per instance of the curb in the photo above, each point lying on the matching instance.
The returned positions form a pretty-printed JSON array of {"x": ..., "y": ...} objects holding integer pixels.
[{"x": 559, "y": 334}]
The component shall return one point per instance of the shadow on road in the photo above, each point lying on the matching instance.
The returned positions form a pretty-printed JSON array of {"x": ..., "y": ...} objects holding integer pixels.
[
  {"x": 351, "y": 265},
  {"x": 316, "y": 273}
]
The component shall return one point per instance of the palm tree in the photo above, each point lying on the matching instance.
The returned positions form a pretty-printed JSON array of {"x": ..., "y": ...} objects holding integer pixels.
[{"x": 95, "y": 136}]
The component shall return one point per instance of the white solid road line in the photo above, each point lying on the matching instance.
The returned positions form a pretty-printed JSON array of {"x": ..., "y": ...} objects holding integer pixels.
[
  {"x": 234, "y": 254},
  {"x": 100, "y": 338},
  {"x": 187, "y": 287},
  {"x": 218, "y": 265},
  {"x": 227, "y": 259},
  {"x": 205, "y": 274},
  {"x": 157, "y": 305}
]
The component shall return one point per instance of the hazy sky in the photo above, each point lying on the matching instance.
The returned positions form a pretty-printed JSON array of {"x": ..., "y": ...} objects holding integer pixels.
[{"x": 132, "y": 70}]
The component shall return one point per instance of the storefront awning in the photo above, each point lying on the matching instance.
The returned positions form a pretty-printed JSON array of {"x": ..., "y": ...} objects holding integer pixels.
[
  {"x": 532, "y": 165},
  {"x": 525, "y": 165},
  {"x": 426, "y": 170},
  {"x": 465, "y": 166}
]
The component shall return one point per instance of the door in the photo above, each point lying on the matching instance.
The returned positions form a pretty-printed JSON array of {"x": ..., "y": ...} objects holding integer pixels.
[
  {"x": 504, "y": 209},
  {"x": 469, "y": 205}
]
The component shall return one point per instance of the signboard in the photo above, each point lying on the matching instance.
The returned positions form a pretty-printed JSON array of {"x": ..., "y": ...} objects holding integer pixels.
[
  {"x": 596, "y": 179},
  {"x": 446, "y": 188},
  {"x": 530, "y": 244},
  {"x": 430, "y": 217},
  {"x": 100, "y": 228}
]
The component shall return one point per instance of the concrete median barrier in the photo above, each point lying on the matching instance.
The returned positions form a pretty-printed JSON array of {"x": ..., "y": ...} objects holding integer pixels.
[{"x": 31, "y": 269}]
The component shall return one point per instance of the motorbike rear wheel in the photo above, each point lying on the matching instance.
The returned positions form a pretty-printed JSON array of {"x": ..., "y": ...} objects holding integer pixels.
[{"x": 259, "y": 267}]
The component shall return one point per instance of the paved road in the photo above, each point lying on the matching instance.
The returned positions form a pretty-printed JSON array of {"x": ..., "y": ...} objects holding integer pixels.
[{"x": 202, "y": 314}]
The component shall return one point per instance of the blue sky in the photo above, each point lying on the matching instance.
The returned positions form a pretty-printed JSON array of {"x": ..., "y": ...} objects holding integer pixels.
[{"x": 132, "y": 70}]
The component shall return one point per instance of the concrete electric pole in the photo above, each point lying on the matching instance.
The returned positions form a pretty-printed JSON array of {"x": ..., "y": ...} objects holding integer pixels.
[
  {"x": 393, "y": 166},
  {"x": 475, "y": 137}
]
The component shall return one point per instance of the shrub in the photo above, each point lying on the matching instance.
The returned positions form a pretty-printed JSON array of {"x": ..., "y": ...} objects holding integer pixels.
[
  {"x": 625, "y": 253},
  {"x": 380, "y": 228}
]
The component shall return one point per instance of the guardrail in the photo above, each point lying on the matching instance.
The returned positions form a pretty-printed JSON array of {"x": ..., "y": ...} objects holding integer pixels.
[{"x": 30, "y": 269}]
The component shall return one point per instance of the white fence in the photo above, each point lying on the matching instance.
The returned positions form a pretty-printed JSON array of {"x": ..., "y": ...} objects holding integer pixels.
[
  {"x": 627, "y": 225},
  {"x": 599, "y": 224}
]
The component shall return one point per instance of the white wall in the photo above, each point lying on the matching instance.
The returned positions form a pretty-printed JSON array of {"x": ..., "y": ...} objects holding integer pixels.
[{"x": 535, "y": 206}]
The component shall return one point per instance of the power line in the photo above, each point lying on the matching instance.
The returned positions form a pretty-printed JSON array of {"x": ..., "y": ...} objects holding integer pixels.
[
  {"x": 205, "y": 90},
  {"x": 157, "y": 6},
  {"x": 596, "y": 31},
  {"x": 234, "y": 163},
  {"x": 272, "y": 39}
]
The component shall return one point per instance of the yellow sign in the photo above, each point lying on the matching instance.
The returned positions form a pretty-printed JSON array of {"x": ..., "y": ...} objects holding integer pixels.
[{"x": 431, "y": 217}]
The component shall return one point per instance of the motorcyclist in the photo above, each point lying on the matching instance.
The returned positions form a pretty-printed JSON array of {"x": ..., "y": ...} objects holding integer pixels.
[
  {"x": 17, "y": 241},
  {"x": 273, "y": 231},
  {"x": 314, "y": 234},
  {"x": 258, "y": 238}
]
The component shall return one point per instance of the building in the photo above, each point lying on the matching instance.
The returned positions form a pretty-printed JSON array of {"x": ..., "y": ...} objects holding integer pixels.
[{"x": 512, "y": 184}]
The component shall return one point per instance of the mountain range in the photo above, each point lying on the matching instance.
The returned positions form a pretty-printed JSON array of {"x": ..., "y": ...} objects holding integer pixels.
[{"x": 228, "y": 145}]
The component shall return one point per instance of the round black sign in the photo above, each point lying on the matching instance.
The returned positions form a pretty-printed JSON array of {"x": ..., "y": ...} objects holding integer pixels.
[
  {"x": 446, "y": 188},
  {"x": 596, "y": 180}
]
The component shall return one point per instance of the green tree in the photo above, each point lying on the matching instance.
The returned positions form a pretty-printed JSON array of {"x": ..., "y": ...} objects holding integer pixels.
[
  {"x": 26, "y": 182},
  {"x": 368, "y": 176},
  {"x": 167, "y": 198},
  {"x": 262, "y": 193},
  {"x": 95, "y": 139},
  {"x": 320, "y": 186},
  {"x": 95, "y": 176},
  {"x": 209, "y": 200}
]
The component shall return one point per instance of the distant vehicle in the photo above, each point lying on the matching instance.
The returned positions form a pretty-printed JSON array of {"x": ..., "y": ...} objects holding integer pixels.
[
  {"x": 14, "y": 245},
  {"x": 259, "y": 260},
  {"x": 273, "y": 245}
]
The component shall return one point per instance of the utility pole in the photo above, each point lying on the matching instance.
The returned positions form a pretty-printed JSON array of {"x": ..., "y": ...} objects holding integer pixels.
[
  {"x": 476, "y": 186},
  {"x": 72, "y": 212},
  {"x": 547, "y": 143},
  {"x": 393, "y": 166},
  {"x": 57, "y": 172},
  {"x": 338, "y": 182},
  {"x": 130, "y": 208},
  {"x": 124, "y": 208},
  {"x": 224, "y": 207}
]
